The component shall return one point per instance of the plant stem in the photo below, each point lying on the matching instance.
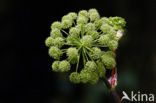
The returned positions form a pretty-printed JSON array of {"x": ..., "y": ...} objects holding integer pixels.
[
  {"x": 82, "y": 30},
  {"x": 64, "y": 32},
  {"x": 113, "y": 92},
  {"x": 89, "y": 55},
  {"x": 85, "y": 54},
  {"x": 77, "y": 66},
  {"x": 84, "y": 60}
]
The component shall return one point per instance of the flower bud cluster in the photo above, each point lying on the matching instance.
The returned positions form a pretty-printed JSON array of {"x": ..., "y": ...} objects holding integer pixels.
[
  {"x": 108, "y": 61},
  {"x": 49, "y": 41},
  {"x": 94, "y": 15},
  {"x": 55, "y": 52},
  {"x": 96, "y": 53},
  {"x": 117, "y": 22},
  {"x": 82, "y": 17},
  {"x": 72, "y": 54},
  {"x": 56, "y": 25},
  {"x": 88, "y": 77},
  {"x": 85, "y": 39},
  {"x": 55, "y": 33},
  {"x": 61, "y": 66}
]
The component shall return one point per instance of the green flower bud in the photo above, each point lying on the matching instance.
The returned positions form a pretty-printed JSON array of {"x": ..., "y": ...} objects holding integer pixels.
[
  {"x": 94, "y": 15},
  {"x": 82, "y": 20},
  {"x": 83, "y": 13},
  {"x": 55, "y": 66},
  {"x": 73, "y": 15},
  {"x": 97, "y": 24},
  {"x": 85, "y": 76},
  {"x": 100, "y": 22},
  {"x": 66, "y": 24},
  {"x": 101, "y": 69},
  {"x": 57, "y": 25},
  {"x": 56, "y": 33},
  {"x": 104, "y": 39},
  {"x": 110, "y": 53},
  {"x": 74, "y": 32},
  {"x": 112, "y": 44},
  {"x": 107, "y": 29},
  {"x": 90, "y": 66},
  {"x": 78, "y": 27},
  {"x": 70, "y": 39},
  {"x": 64, "y": 66},
  {"x": 55, "y": 52},
  {"x": 67, "y": 17},
  {"x": 72, "y": 54},
  {"x": 94, "y": 34},
  {"x": 92, "y": 11},
  {"x": 94, "y": 78},
  {"x": 49, "y": 41},
  {"x": 59, "y": 42},
  {"x": 89, "y": 27},
  {"x": 74, "y": 77},
  {"x": 108, "y": 61},
  {"x": 96, "y": 53},
  {"x": 87, "y": 40},
  {"x": 104, "y": 20},
  {"x": 117, "y": 22}
]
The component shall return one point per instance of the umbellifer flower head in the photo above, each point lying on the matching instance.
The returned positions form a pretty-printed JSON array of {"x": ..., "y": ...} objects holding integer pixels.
[
  {"x": 64, "y": 66},
  {"x": 75, "y": 77},
  {"x": 85, "y": 39}
]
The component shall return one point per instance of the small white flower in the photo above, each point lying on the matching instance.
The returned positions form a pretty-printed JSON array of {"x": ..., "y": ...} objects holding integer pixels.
[{"x": 119, "y": 34}]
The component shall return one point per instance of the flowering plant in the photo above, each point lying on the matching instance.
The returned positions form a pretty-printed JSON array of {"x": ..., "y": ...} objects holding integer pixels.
[{"x": 87, "y": 41}]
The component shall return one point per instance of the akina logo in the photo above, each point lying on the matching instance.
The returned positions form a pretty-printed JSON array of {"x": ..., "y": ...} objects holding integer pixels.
[{"x": 140, "y": 97}]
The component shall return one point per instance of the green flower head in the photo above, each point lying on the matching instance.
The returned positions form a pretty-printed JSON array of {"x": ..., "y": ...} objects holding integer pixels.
[
  {"x": 64, "y": 66},
  {"x": 59, "y": 42},
  {"x": 108, "y": 61},
  {"x": 85, "y": 76},
  {"x": 49, "y": 41},
  {"x": 104, "y": 39},
  {"x": 85, "y": 39},
  {"x": 72, "y": 54},
  {"x": 96, "y": 53},
  {"x": 75, "y": 77},
  {"x": 101, "y": 69},
  {"x": 55, "y": 66},
  {"x": 56, "y": 25},
  {"x": 55, "y": 33},
  {"x": 55, "y": 52},
  {"x": 90, "y": 66}
]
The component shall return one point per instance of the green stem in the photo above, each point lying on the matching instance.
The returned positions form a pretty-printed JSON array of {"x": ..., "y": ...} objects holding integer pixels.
[
  {"x": 79, "y": 48},
  {"x": 88, "y": 48},
  {"x": 89, "y": 56},
  {"x": 84, "y": 59},
  {"x": 64, "y": 32},
  {"x": 85, "y": 53},
  {"x": 82, "y": 30},
  {"x": 74, "y": 22},
  {"x": 100, "y": 32},
  {"x": 77, "y": 66},
  {"x": 70, "y": 44}
]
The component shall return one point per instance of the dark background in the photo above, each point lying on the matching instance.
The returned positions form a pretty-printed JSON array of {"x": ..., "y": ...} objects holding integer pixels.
[{"x": 25, "y": 70}]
